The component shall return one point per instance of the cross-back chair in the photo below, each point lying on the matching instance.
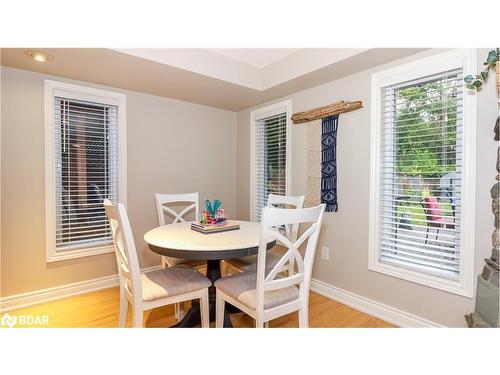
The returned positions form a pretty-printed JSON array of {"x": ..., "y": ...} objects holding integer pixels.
[
  {"x": 249, "y": 263},
  {"x": 145, "y": 291},
  {"x": 266, "y": 294},
  {"x": 163, "y": 209}
]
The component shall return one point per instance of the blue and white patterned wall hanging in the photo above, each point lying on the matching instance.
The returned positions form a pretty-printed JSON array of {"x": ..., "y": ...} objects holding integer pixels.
[{"x": 329, "y": 163}]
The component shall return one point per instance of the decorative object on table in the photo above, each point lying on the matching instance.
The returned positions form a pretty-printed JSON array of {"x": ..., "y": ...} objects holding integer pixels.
[
  {"x": 486, "y": 312},
  {"x": 213, "y": 213},
  {"x": 213, "y": 219},
  {"x": 475, "y": 82},
  {"x": 215, "y": 228},
  {"x": 322, "y": 151}
]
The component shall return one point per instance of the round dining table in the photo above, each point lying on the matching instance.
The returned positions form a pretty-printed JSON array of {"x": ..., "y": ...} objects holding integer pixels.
[{"x": 180, "y": 241}]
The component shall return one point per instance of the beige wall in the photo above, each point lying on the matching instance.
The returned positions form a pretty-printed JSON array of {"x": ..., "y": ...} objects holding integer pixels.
[
  {"x": 346, "y": 232},
  {"x": 157, "y": 163},
  {"x": 1, "y": 74},
  {"x": 172, "y": 146}
]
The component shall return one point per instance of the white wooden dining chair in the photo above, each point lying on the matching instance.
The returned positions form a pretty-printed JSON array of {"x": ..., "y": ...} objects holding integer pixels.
[
  {"x": 163, "y": 209},
  {"x": 249, "y": 263},
  {"x": 266, "y": 294},
  {"x": 146, "y": 291}
]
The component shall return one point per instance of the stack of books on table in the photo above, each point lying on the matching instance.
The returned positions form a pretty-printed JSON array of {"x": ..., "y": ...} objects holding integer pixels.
[{"x": 214, "y": 228}]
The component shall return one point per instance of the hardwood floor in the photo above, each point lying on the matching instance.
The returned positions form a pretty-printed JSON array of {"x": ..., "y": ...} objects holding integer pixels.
[{"x": 100, "y": 309}]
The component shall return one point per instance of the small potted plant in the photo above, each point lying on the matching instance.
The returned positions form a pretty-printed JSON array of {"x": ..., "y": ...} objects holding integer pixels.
[{"x": 213, "y": 213}]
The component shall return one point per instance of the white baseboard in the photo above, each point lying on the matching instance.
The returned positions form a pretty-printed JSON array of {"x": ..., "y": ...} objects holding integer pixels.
[
  {"x": 379, "y": 310},
  {"x": 366, "y": 305},
  {"x": 45, "y": 295}
]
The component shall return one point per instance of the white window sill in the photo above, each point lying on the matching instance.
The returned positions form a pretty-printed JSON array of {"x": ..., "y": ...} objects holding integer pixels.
[
  {"x": 444, "y": 282},
  {"x": 58, "y": 256}
]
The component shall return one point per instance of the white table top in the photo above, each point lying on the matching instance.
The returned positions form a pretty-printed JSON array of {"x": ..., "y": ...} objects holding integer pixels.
[{"x": 178, "y": 240}]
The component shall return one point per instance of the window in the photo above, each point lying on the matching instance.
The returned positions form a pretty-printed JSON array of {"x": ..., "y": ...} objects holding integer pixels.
[
  {"x": 84, "y": 164},
  {"x": 270, "y": 155},
  {"x": 423, "y": 180}
]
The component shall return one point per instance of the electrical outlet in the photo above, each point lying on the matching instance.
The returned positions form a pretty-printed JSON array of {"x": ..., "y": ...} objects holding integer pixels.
[{"x": 325, "y": 253}]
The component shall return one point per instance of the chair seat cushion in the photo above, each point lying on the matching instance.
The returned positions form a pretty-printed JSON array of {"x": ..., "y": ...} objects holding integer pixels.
[
  {"x": 172, "y": 281},
  {"x": 250, "y": 263},
  {"x": 242, "y": 287},
  {"x": 188, "y": 262}
]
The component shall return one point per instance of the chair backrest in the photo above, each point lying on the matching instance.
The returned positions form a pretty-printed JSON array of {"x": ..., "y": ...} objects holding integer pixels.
[
  {"x": 284, "y": 201},
  {"x": 272, "y": 219},
  {"x": 126, "y": 254},
  {"x": 162, "y": 209},
  {"x": 432, "y": 208}
]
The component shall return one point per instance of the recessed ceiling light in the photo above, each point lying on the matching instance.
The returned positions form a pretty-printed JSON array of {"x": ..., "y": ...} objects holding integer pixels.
[{"x": 38, "y": 56}]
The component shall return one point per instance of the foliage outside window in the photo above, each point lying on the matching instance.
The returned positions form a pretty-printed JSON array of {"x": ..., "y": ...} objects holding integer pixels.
[{"x": 422, "y": 185}]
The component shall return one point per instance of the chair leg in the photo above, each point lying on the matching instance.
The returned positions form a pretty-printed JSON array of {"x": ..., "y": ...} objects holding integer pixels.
[
  {"x": 204, "y": 310},
  {"x": 259, "y": 323},
  {"x": 219, "y": 310},
  {"x": 304, "y": 317},
  {"x": 178, "y": 307},
  {"x": 122, "y": 317},
  {"x": 179, "y": 310},
  {"x": 266, "y": 324},
  {"x": 137, "y": 317}
]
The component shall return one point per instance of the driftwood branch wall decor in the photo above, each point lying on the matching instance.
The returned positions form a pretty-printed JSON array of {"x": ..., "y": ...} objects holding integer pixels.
[
  {"x": 326, "y": 111},
  {"x": 322, "y": 151}
]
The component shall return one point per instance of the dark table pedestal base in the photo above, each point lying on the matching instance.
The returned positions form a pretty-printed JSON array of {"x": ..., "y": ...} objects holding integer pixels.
[{"x": 193, "y": 316}]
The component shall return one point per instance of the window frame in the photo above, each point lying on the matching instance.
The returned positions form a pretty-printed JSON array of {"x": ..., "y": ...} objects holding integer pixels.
[
  {"x": 90, "y": 94},
  {"x": 423, "y": 67},
  {"x": 255, "y": 115}
]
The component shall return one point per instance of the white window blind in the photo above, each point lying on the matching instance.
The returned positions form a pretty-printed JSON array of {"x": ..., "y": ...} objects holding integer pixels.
[
  {"x": 86, "y": 171},
  {"x": 420, "y": 174},
  {"x": 270, "y": 160}
]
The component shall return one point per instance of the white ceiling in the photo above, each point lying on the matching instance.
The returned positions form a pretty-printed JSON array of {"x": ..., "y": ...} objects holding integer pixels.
[
  {"x": 204, "y": 76},
  {"x": 256, "y": 68},
  {"x": 257, "y": 57}
]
